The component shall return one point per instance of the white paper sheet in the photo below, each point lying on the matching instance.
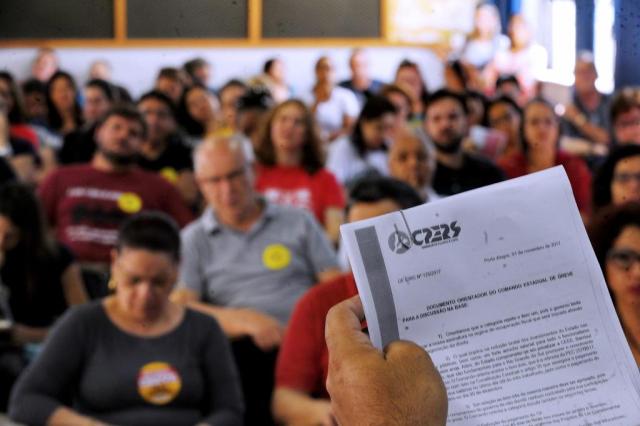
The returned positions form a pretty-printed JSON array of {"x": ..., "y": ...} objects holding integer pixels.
[{"x": 502, "y": 288}]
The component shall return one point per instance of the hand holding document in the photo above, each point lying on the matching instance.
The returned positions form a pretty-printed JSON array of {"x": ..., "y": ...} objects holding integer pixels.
[{"x": 501, "y": 286}]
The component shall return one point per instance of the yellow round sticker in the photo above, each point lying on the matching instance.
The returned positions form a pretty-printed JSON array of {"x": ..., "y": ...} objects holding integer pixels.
[
  {"x": 158, "y": 383},
  {"x": 276, "y": 256},
  {"x": 130, "y": 202},
  {"x": 170, "y": 174}
]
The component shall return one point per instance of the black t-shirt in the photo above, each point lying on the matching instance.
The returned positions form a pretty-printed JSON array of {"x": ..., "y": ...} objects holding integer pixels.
[
  {"x": 40, "y": 302},
  {"x": 6, "y": 172},
  {"x": 182, "y": 377},
  {"x": 78, "y": 147},
  {"x": 475, "y": 173},
  {"x": 176, "y": 156}
]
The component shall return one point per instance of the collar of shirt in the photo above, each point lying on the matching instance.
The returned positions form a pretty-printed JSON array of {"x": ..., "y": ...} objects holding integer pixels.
[{"x": 211, "y": 224}]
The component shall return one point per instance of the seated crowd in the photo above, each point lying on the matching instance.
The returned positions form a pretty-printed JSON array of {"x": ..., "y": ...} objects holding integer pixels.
[{"x": 190, "y": 228}]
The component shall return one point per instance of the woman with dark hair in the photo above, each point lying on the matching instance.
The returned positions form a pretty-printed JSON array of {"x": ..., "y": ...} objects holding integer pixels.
[
  {"x": 409, "y": 77},
  {"x": 64, "y": 112},
  {"x": 505, "y": 115},
  {"x": 133, "y": 357},
  {"x": 199, "y": 112},
  {"x": 10, "y": 91},
  {"x": 617, "y": 181},
  {"x": 39, "y": 274},
  {"x": 290, "y": 167},
  {"x": 366, "y": 150},
  {"x": 615, "y": 236},
  {"x": 540, "y": 134}
]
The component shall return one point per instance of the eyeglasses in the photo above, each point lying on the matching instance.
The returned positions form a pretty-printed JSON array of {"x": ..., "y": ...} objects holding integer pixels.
[
  {"x": 230, "y": 177},
  {"x": 623, "y": 258},
  {"x": 624, "y": 178}
]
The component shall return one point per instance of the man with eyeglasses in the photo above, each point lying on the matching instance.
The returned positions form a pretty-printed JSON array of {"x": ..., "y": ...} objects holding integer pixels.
[{"x": 246, "y": 262}]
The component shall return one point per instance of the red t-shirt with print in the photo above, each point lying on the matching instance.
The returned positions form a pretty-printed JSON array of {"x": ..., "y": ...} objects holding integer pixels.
[
  {"x": 86, "y": 206},
  {"x": 294, "y": 186}
]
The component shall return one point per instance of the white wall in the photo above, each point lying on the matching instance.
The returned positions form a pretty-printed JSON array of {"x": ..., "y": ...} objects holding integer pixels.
[{"x": 135, "y": 68}]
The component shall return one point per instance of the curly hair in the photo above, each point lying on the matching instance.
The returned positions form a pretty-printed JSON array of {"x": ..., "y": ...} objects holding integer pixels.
[{"x": 607, "y": 225}]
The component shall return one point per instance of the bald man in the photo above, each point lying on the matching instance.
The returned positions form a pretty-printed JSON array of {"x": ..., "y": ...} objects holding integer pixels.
[{"x": 246, "y": 262}]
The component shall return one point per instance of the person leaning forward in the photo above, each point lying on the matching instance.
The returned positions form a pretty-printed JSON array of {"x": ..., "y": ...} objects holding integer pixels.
[{"x": 246, "y": 263}]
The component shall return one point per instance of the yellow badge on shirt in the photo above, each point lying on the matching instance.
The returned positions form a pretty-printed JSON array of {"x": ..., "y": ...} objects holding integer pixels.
[
  {"x": 170, "y": 174},
  {"x": 158, "y": 383},
  {"x": 130, "y": 202},
  {"x": 276, "y": 256}
]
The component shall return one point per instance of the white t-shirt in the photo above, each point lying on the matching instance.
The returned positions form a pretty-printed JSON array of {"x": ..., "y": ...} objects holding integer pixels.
[
  {"x": 345, "y": 163},
  {"x": 330, "y": 114}
]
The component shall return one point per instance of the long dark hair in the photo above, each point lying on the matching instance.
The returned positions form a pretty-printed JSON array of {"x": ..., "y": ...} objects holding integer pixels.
[
  {"x": 374, "y": 108},
  {"x": 187, "y": 122},
  {"x": 312, "y": 154},
  {"x": 17, "y": 111},
  {"x": 20, "y": 205},
  {"x": 54, "y": 117}
]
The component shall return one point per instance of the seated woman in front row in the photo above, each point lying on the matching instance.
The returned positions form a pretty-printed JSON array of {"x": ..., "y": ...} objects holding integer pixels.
[{"x": 133, "y": 357}]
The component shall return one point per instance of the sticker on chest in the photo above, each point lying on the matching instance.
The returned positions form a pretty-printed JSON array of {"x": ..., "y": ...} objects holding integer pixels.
[
  {"x": 276, "y": 257},
  {"x": 130, "y": 202},
  {"x": 170, "y": 174},
  {"x": 158, "y": 383}
]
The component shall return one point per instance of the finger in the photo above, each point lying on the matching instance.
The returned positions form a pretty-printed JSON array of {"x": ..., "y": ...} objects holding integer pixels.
[
  {"x": 343, "y": 331},
  {"x": 404, "y": 349}
]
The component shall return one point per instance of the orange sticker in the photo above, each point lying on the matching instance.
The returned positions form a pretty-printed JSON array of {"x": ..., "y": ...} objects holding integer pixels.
[{"x": 159, "y": 383}]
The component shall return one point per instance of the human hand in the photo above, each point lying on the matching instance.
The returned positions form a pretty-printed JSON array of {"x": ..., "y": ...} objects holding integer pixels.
[
  {"x": 399, "y": 386},
  {"x": 265, "y": 331},
  {"x": 323, "y": 413}
]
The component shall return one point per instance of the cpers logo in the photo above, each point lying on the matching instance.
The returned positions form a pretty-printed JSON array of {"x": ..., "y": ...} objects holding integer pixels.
[{"x": 400, "y": 242}]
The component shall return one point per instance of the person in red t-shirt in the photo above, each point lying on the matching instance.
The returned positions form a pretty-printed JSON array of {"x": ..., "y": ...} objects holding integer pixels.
[
  {"x": 300, "y": 395},
  {"x": 291, "y": 169},
  {"x": 86, "y": 203},
  {"x": 540, "y": 135}
]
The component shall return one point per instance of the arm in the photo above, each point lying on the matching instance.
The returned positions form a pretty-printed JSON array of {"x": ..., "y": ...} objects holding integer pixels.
[
  {"x": 333, "y": 202},
  {"x": 63, "y": 416},
  {"x": 292, "y": 407},
  {"x": 73, "y": 286},
  {"x": 399, "y": 386},
  {"x": 265, "y": 331},
  {"x": 299, "y": 367},
  {"x": 225, "y": 405},
  {"x": 173, "y": 203},
  {"x": 39, "y": 395},
  {"x": 319, "y": 252},
  {"x": 187, "y": 187},
  {"x": 333, "y": 218},
  {"x": 592, "y": 132},
  {"x": 25, "y": 167}
]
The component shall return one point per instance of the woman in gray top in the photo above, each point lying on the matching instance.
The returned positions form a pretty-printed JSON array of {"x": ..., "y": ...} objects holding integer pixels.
[{"x": 134, "y": 358}]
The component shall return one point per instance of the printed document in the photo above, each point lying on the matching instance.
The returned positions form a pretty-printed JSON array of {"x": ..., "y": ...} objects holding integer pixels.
[{"x": 501, "y": 286}]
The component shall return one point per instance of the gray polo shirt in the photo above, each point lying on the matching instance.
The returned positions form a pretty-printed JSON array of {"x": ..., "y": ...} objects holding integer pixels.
[{"x": 267, "y": 268}]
